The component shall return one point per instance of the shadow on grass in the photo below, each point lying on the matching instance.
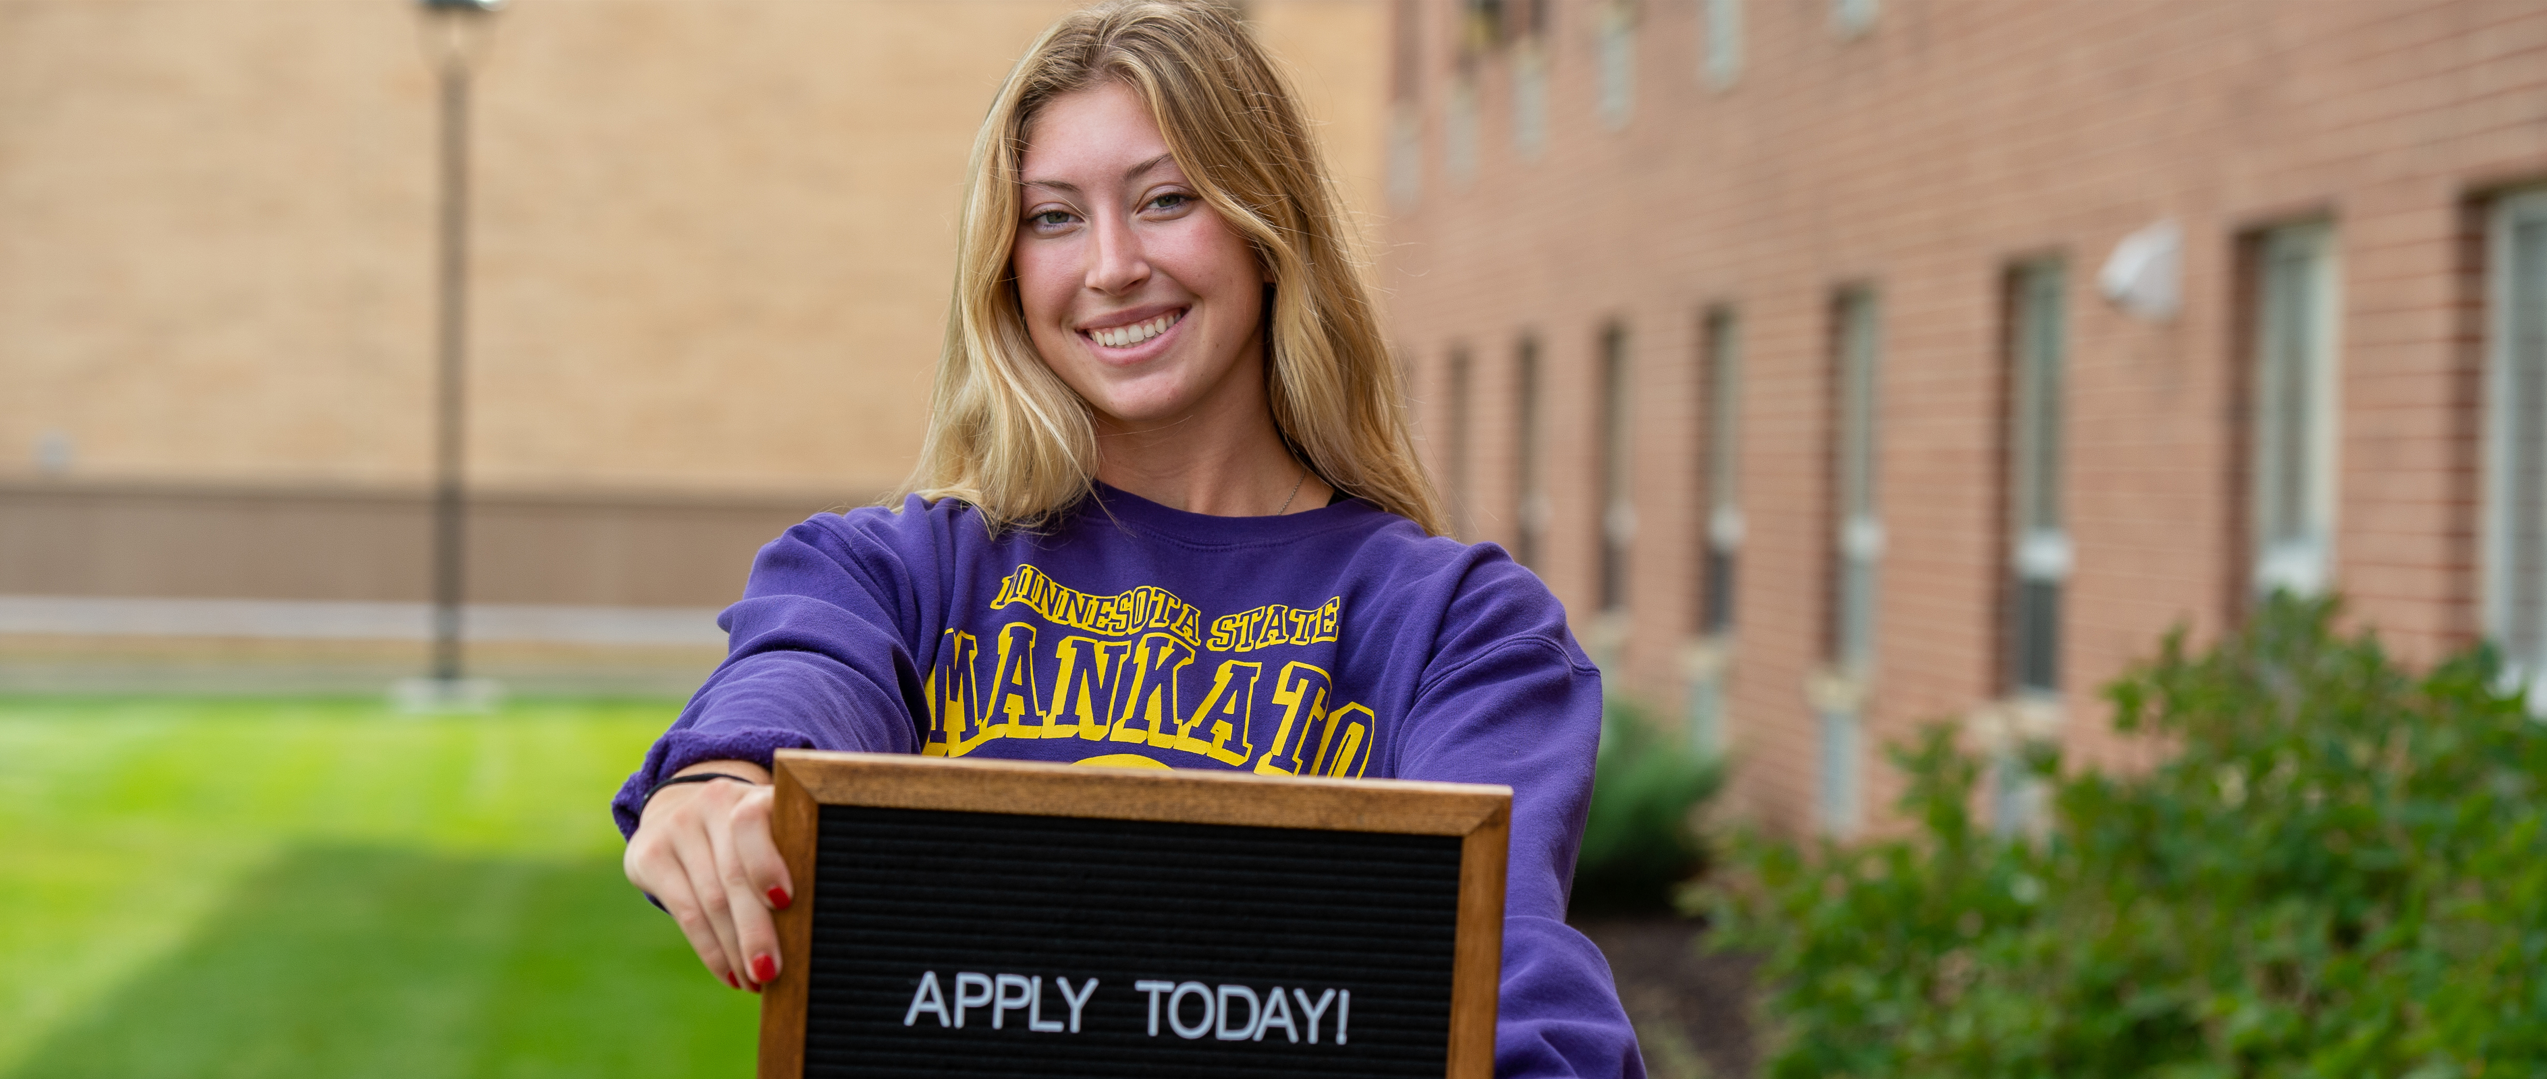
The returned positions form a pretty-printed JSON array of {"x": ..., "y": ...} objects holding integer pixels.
[{"x": 392, "y": 963}]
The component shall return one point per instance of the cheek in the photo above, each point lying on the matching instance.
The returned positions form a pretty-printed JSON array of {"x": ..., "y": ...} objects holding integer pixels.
[
  {"x": 1214, "y": 262},
  {"x": 1042, "y": 286}
]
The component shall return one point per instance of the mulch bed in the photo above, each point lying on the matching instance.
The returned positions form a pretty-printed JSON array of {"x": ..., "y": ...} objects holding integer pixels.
[{"x": 1693, "y": 1011}]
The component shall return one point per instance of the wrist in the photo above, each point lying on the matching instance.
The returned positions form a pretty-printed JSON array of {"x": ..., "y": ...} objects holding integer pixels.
[
  {"x": 744, "y": 769},
  {"x": 700, "y": 776}
]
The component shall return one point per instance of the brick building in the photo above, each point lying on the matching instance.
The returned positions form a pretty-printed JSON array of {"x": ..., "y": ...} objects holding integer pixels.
[
  {"x": 1845, "y": 364},
  {"x": 711, "y": 248}
]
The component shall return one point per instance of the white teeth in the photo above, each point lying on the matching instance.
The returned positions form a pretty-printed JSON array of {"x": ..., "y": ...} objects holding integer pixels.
[{"x": 1127, "y": 336}]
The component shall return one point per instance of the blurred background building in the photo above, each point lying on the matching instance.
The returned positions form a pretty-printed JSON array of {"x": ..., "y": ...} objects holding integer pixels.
[
  {"x": 711, "y": 249},
  {"x": 1842, "y": 364},
  {"x": 1846, "y": 364}
]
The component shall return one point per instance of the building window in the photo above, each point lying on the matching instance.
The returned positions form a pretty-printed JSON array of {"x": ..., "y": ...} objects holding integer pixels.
[
  {"x": 1405, "y": 154},
  {"x": 1858, "y": 545},
  {"x": 1853, "y": 17},
  {"x": 1618, "y": 504},
  {"x": 1406, "y": 49},
  {"x": 1860, "y": 538},
  {"x": 1405, "y": 124},
  {"x": 2038, "y": 535},
  {"x": 1530, "y": 100},
  {"x": 1530, "y": 78},
  {"x": 1459, "y": 131},
  {"x": 2516, "y": 442},
  {"x": 1721, "y": 49},
  {"x": 1457, "y": 445},
  {"x": 1530, "y": 501},
  {"x": 2295, "y": 410},
  {"x": 1530, "y": 18},
  {"x": 1615, "y": 37},
  {"x": 1708, "y": 660},
  {"x": 2038, "y": 541},
  {"x": 1719, "y": 469}
]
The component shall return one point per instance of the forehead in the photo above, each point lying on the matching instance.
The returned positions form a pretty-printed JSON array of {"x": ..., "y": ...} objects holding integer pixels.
[{"x": 1090, "y": 134}]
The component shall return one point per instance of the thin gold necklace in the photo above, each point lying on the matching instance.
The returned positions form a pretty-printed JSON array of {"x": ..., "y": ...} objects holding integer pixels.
[{"x": 1295, "y": 493}]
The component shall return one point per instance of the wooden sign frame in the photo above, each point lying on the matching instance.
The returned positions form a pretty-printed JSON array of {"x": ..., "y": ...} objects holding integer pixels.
[{"x": 1479, "y": 815}]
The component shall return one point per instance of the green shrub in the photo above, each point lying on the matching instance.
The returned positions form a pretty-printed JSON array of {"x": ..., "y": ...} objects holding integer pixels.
[
  {"x": 2341, "y": 870},
  {"x": 1638, "y": 843}
]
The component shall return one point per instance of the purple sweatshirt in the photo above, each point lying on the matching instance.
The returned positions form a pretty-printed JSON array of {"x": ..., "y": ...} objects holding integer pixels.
[{"x": 1341, "y": 641}]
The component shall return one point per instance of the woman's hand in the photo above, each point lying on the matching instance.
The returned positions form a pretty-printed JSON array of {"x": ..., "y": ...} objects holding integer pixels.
[{"x": 703, "y": 851}]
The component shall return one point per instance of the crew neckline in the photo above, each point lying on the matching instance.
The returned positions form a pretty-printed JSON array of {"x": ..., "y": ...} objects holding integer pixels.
[{"x": 1148, "y": 516}]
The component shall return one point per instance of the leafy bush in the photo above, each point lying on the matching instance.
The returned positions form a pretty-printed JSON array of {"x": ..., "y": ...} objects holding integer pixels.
[
  {"x": 2341, "y": 871},
  {"x": 1639, "y": 843}
]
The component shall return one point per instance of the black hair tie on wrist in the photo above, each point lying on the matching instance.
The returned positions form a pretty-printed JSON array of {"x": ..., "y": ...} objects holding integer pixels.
[{"x": 694, "y": 777}]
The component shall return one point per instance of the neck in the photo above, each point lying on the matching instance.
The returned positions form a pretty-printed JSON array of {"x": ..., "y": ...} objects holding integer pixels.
[{"x": 1223, "y": 459}]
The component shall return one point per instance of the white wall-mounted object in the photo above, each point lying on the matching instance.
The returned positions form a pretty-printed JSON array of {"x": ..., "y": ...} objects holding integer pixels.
[{"x": 2145, "y": 274}]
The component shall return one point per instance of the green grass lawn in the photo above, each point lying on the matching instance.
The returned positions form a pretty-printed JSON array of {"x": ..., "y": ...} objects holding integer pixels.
[{"x": 324, "y": 888}]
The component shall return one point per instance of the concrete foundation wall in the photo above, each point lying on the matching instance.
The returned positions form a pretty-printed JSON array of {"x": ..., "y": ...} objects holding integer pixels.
[{"x": 169, "y": 541}]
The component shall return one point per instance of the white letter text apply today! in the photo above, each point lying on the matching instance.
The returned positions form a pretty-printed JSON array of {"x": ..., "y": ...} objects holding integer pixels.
[{"x": 1192, "y": 1010}]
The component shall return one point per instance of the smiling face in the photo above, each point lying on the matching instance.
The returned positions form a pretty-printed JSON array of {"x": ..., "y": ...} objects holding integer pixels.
[{"x": 1135, "y": 292}]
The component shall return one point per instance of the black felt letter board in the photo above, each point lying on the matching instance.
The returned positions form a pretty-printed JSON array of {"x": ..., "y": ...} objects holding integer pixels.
[{"x": 919, "y": 914}]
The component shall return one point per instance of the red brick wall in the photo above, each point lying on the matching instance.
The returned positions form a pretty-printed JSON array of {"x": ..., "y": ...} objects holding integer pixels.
[{"x": 1923, "y": 158}]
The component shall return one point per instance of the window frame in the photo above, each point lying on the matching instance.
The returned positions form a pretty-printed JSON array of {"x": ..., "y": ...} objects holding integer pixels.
[
  {"x": 2293, "y": 521},
  {"x": 2500, "y": 558},
  {"x": 1855, "y": 18},
  {"x": 1459, "y": 450},
  {"x": 1615, "y": 432},
  {"x": 1614, "y": 66},
  {"x": 1530, "y": 499},
  {"x": 1405, "y": 149},
  {"x": 1856, "y": 508},
  {"x": 1720, "y": 470},
  {"x": 2037, "y": 525},
  {"x": 1855, "y": 576},
  {"x": 1707, "y": 659},
  {"x": 1720, "y": 43},
  {"x": 1462, "y": 132}
]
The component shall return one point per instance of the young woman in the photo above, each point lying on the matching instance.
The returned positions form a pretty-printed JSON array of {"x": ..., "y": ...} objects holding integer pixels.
[{"x": 1167, "y": 515}]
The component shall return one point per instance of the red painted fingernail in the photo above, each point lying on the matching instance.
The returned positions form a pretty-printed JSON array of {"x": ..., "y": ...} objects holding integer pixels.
[
  {"x": 730, "y": 983},
  {"x": 764, "y": 969},
  {"x": 779, "y": 898}
]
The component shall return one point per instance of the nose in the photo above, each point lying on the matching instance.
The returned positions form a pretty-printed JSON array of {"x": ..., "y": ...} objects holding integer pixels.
[{"x": 1116, "y": 265}]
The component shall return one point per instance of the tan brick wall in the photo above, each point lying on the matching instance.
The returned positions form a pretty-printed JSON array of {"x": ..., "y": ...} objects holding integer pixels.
[
  {"x": 1923, "y": 158},
  {"x": 713, "y": 239}
]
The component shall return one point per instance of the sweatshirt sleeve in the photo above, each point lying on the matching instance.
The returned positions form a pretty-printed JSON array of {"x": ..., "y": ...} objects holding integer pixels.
[
  {"x": 1521, "y": 706},
  {"x": 821, "y": 650}
]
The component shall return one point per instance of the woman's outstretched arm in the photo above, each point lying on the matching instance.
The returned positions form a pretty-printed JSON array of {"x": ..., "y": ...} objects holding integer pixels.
[
  {"x": 703, "y": 851},
  {"x": 821, "y": 658}
]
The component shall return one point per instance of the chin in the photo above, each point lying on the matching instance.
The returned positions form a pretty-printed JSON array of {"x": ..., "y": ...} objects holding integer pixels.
[
  {"x": 1145, "y": 404},
  {"x": 1141, "y": 415}
]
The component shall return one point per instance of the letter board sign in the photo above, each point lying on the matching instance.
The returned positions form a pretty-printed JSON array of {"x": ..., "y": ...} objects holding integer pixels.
[{"x": 959, "y": 917}]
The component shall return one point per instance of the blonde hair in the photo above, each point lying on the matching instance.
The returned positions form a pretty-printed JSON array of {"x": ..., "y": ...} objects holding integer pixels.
[{"x": 1007, "y": 435}]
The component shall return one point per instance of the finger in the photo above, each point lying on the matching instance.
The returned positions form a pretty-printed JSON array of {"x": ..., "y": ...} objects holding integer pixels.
[
  {"x": 759, "y": 853},
  {"x": 749, "y": 902},
  {"x": 756, "y": 935},
  {"x": 698, "y": 863},
  {"x": 662, "y": 878}
]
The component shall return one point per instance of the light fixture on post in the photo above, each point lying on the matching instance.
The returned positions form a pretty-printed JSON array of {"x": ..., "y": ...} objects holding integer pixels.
[{"x": 455, "y": 33}]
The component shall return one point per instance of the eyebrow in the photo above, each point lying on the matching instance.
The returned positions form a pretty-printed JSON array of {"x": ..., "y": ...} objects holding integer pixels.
[{"x": 1128, "y": 174}]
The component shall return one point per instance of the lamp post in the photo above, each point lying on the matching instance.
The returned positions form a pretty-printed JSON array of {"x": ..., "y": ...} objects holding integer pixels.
[{"x": 455, "y": 33}]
